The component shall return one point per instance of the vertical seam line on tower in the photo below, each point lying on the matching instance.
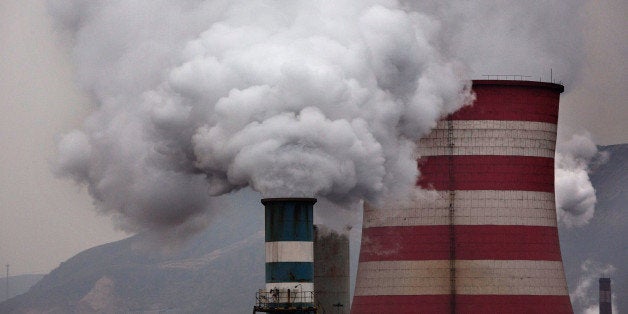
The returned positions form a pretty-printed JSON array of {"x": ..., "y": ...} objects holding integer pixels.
[{"x": 452, "y": 235}]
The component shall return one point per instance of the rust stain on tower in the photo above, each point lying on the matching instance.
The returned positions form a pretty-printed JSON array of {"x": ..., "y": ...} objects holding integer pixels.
[{"x": 486, "y": 240}]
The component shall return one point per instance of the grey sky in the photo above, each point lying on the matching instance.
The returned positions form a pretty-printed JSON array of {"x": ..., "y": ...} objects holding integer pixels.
[
  {"x": 44, "y": 220},
  {"x": 599, "y": 102}
]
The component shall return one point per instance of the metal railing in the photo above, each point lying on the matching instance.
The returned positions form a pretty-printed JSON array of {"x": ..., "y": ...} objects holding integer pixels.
[
  {"x": 284, "y": 299},
  {"x": 514, "y": 77},
  {"x": 519, "y": 77}
]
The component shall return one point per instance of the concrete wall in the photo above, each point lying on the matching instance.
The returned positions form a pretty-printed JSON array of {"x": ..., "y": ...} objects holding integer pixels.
[
  {"x": 485, "y": 239},
  {"x": 331, "y": 271}
]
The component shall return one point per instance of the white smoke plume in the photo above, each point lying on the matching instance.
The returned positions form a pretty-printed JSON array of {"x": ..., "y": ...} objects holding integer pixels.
[
  {"x": 529, "y": 38},
  {"x": 585, "y": 295},
  {"x": 292, "y": 98},
  {"x": 575, "y": 195}
]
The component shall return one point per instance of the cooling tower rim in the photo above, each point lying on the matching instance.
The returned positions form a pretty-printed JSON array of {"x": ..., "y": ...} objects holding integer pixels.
[
  {"x": 288, "y": 199},
  {"x": 553, "y": 86}
]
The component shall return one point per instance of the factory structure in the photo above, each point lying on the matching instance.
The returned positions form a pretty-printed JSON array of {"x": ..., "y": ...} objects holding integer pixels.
[
  {"x": 485, "y": 240},
  {"x": 331, "y": 271},
  {"x": 307, "y": 267},
  {"x": 606, "y": 305},
  {"x": 289, "y": 236}
]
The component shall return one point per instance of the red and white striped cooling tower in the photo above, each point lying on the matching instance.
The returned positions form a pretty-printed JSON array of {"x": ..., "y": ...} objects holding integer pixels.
[{"x": 485, "y": 240}]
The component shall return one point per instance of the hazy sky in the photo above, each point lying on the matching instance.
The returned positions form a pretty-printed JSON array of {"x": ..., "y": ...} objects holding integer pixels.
[
  {"x": 599, "y": 103},
  {"x": 44, "y": 220}
]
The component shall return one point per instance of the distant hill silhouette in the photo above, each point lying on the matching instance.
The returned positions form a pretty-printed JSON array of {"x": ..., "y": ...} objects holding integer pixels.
[
  {"x": 217, "y": 271},
  {"x": 18, "y": 284},
  {"x": 220, "y": 269}
]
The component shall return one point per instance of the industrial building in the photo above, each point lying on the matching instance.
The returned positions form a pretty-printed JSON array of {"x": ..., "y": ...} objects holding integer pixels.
[
  {"x": 606, "y": 305},
  {"x": 331, "y": 271},
  {"x": 289, "y": 229},
  {"x": 485, "y": 240}
]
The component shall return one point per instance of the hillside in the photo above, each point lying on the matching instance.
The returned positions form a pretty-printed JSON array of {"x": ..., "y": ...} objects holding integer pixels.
[
  {"x": 217, "y": 271},
  {"x": 18, "y": 284}
]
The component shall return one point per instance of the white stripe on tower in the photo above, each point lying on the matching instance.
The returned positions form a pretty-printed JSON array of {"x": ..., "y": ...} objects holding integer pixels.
[
  {"x": 431, "y": 277},
  {"x": 491, "y": 137},
  {"x": 290, "y": 251},
  {"x": 483, "y": 207}
]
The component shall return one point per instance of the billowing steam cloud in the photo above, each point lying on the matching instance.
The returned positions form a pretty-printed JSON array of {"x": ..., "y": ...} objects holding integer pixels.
[
  {"x": 292, "y": 98},
  {"x": 575, "y": 195}
]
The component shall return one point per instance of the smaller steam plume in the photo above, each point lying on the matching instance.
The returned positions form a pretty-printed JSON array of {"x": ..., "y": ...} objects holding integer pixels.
[{"x": 575, "y": 195}]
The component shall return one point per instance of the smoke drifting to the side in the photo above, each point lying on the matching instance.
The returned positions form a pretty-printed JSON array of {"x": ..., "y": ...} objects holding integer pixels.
[
  {"x": 575, "y": 195},
  {"x": 292, "y": 98}
]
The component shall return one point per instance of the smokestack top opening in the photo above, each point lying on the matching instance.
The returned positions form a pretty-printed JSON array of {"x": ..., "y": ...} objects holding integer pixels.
[
  {"x": 554, "y": 86},
  {"x": 289, "y": 199}
]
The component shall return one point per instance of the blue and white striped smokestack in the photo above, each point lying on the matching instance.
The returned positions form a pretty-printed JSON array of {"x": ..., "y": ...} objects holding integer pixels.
[{"x": 290, "y": 251}]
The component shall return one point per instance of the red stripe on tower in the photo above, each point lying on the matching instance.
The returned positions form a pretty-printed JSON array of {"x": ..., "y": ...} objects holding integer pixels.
[
  {"x": 513, "y": 101},
  {"x": 472, "y": 242},
  {"x": 486, "y": 240},
  {"x": 470, "y": 172},
  {"x": 466, "y": 304}
]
